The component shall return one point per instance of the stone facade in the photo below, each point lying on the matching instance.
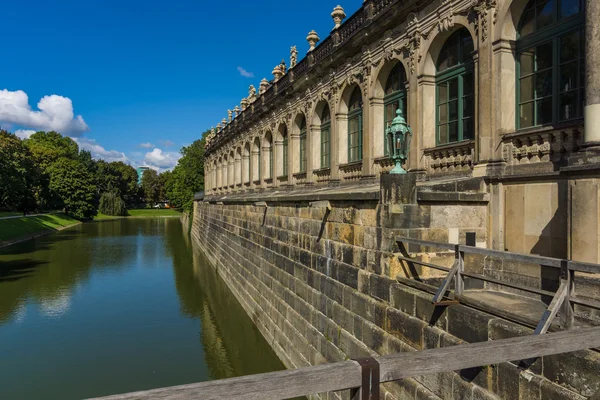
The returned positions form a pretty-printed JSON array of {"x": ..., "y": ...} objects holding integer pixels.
[
  {"x": 277, "y": 141},
  {"x": 321, "y": 287}
]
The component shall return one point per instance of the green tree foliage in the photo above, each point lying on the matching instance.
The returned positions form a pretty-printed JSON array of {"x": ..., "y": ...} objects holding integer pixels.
[
  {"x": 46, "y": 149},
  {"x": 75, "y": 186},
  {"x": 187, "y": 177},
  {"x": 17, "y": 174},
  {"x": 151, "y": 186},
  {"x": 112, "y": 204},
  {"x": 120, "y": 178},
  {"x": 164, "y": 178}
]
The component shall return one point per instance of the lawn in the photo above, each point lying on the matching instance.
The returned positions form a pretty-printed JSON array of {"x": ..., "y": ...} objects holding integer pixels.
[
  {"x": 16, "y": 228},
  {"x": 155, "y": 212},
  {"x": 9, "y": 214}
]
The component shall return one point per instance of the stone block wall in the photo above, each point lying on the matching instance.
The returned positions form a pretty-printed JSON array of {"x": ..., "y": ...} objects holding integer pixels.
[{"x": 320, "y": 285}]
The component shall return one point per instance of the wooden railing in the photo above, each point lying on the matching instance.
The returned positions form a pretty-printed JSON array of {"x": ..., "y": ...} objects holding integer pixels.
[
  {"x": 363, "y": 376},
  {"x": 562, "y": 299}
]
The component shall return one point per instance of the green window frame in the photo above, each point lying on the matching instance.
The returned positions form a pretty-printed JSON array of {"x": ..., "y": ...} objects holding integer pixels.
[
  {"x": 355, "y": 127},
  {"x": 395, "y": 98},
  {"x": 285, "y": 155},
  {"x": 550, "y": 63},
  {"x": 303, "y": 145},
  {"x": 326, "y": 138},
  {"x": 455, "y": 90}
]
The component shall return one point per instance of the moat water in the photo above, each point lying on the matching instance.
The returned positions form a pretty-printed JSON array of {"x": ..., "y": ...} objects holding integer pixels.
[{"x": 118, "y": 306}]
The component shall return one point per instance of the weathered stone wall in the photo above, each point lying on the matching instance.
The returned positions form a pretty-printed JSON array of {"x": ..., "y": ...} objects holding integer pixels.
[{"x": 321, "y": 287}]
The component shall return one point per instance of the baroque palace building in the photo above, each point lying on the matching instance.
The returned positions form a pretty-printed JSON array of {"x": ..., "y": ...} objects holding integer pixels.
[{"x": 504, "y": 90}]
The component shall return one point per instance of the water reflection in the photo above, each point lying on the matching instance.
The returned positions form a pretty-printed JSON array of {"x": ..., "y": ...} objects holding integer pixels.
[{"x": 118, "y": 306}]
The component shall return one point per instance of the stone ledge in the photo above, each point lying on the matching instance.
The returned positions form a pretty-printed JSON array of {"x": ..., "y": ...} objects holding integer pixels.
[
  {"x": 453, "y": 197},
  {"x": 348, "y": 193}
]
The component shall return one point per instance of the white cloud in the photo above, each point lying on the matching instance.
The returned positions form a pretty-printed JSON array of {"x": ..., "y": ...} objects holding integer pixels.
[
  {"x": 146, "y": 145},
  {"x": 245, "y": 73},
  {"x": 24, "y": 133},
  {"x": 167, "y": 143},
  {"x": 99, "y": 152},
  {"x": 55, "y": 113},
  {"x": 162, "y": 160}
]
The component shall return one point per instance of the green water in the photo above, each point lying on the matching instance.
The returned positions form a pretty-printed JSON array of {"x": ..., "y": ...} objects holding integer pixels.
[{"x": 118, "y": 306}]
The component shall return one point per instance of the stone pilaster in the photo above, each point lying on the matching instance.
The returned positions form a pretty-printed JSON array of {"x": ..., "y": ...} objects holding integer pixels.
[{"x": 592, "y": 72}]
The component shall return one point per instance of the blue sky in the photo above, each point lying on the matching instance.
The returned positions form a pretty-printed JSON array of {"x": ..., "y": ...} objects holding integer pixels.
[{"x": 147, "y": 72}]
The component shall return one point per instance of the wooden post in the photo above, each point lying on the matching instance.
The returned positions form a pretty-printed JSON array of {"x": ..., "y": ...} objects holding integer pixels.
[
  {"x": 567, "y": 312},
  {"x": 460, "y": 283}
]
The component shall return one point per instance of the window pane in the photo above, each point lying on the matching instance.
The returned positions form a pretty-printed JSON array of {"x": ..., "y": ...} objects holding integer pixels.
[
  {"x": 544, "y": 13},
  {"x": 543, "y": 54},
  {"x": 544, "y": 111},
  {"x": 468, "y": 83},
  {"x": 453, "y": 88},
  {"x": 390, "y": 113},
  {"x": 526, "y": 115},
  {"x": 353, "y": 125},
  {"x": 526, "y": 62},
  {"x": 442, "y": 93},
  {"x": 468, "y": 131},
  {"x": 443, "y": 61},
  {"x": 569, "y": 47},
  {"x": 543, "y": 84},
  {"x": 568, "y": 106},
  {"x": 443, "y": 134},
  {"x": 467, "y": 48},
  {"x": 568, "y": 8},
  {"x": 468, "y": 106},
  {"x": 568, "y": 76},
  {"x": 526, "y": 88},
  {"x": 453, "y": 110},
  {"x": 453, "y": 132},
  {"x": 443, "y": 114},
  {"x": 452, "y": 56},
  {"x": 528, "y": 22}
]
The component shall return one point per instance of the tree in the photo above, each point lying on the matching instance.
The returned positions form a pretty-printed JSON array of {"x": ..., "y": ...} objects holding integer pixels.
[
  {"x": 112, "y": 204},
  {"x": 46, "y": 149},
  {"x": 164, "y": 179},
  {"x": 151, "y": 186},
  {"x": 75, "y": 187},
  {"x": 17, "y": 174},
  {"x": 188, "y": 176},
  {"x": 120, "y": 178}
]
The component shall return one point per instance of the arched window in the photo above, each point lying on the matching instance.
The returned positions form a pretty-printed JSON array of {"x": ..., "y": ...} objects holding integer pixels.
[
  {"x": 285, "y": 151},
  {"x": 303, "y": 145},
  {"x": 325, "y": 137},
  {"x": 395, "y": 97},
  {"x": 355, "y": 126},
  {"x": 550, "y": 63},
  {"x": 455, "y": 89}
]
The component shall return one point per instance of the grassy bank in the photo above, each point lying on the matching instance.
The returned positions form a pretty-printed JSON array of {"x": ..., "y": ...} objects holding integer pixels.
[
  {"x": 143, "y": 213},
  {"x": 16, "y": 228}
]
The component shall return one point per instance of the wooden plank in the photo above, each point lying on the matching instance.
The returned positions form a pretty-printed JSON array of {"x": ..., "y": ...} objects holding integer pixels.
[
  {"x": 439, "y": 295},
  {"x": 426, "y": 264},
  {"x": 272, "y": 385},
  {"x": 546, "y": 261},
  {"x": 585, "y": 302},
  {"x": 347, "y": 375},
  {"x": 550, "y": 313},
  {"x": 419, "y": 242},
  {"x": 454, "y": 358},
  {"x": 584, "y": 267},
  {"x": 508, "y": 284}
]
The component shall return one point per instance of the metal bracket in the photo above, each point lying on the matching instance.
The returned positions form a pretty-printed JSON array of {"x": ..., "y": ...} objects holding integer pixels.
[{"x": 370, "y": 380}]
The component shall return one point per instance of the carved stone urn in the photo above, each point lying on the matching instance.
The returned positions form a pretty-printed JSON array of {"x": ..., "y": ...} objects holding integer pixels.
[
  {"x": 338, "y": 16},
  {"x": 312, "y": 39}
]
